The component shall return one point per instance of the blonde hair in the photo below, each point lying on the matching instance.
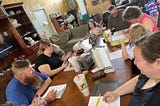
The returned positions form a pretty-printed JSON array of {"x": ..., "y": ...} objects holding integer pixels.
[
  {"x": 20, "y": 65},
  {"x": 137, "y": 30},
  {"x": 42, "y": 46}
]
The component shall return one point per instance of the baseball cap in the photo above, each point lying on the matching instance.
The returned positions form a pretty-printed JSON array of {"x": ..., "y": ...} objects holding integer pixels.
[{"x": 110, "y": 8}]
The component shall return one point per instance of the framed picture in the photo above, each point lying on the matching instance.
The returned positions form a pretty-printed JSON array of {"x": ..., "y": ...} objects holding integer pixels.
[{"x": 95, "y": 2}]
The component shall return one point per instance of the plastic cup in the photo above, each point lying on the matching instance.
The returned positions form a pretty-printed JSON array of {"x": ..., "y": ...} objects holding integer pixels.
[{"x": 81, "y": 83}]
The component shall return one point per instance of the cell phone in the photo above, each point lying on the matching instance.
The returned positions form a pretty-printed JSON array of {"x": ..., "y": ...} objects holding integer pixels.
[{"x": 66, "y": 60}]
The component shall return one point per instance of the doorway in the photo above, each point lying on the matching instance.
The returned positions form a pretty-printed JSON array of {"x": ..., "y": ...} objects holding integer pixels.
[{"x": 44, "y": 22}]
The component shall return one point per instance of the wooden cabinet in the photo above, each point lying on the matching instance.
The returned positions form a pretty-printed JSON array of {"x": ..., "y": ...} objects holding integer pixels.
[
  {"x": 16, "y": 32},
  {"x": 22, "y": 24},
  {"x": 5, "y": 77},
  {"x": 57, "y": 21},
  {"x": 15, "y": 27},
  {"x": 159, "y": 19},
  {"x": 9, "y": 46},
  {"x": 25, "y": 32},
  {"x": 3, "y": 14}
]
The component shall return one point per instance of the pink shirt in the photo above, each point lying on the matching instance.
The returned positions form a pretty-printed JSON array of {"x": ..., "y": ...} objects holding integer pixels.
[{"x": 144, "y": 15}]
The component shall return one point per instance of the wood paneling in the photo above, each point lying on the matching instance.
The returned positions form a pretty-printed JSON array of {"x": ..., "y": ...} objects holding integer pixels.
[
  {"x": 57, "y": 6},
  {"x": 50, "y": 6},
  {"x": 99, "y": 8}
]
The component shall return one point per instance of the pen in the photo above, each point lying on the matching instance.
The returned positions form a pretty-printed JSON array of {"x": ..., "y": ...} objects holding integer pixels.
[{"x": 98, "y": 100}]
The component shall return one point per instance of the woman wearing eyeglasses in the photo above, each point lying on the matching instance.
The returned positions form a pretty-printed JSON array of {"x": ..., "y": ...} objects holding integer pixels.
[{"x": 145, "y": 88}]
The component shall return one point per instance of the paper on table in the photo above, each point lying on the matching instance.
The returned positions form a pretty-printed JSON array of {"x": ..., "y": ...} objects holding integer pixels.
[
  {"x": 60, "y": 90},
  {"x": 116, "y": 54},
  {"x": 117, "y": 33},
  {"x": 93, "y": 100},
  {"x": 117, "y": 37}
]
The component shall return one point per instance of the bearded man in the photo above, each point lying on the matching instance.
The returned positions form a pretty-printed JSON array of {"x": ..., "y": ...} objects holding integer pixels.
[{"x": 27, "y": 84}]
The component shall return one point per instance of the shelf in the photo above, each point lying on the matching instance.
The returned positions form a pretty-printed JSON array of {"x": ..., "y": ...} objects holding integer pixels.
[
  {"x": 23, "y": 25},
  {"x": 12, "y": 15},
  {"x": 11, "y": 6},
  {"x": 59, "y": 16},
  {"x": 17, "y": 14},
  {"x": 29, "y": 33}
]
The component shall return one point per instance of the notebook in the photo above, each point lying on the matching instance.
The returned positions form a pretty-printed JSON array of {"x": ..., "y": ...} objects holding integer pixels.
[
  {"x": 60, "y": 90},
  {"x": 101, "y": 87},
  {"x": 93, "y": 102}
]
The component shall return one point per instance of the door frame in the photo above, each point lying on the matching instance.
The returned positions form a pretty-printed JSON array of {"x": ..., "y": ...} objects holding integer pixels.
[{"x": 52, "y": 26}]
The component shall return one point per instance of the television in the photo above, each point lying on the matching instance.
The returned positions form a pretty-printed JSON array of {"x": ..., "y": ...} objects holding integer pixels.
[{"x": 7, "y": 45}]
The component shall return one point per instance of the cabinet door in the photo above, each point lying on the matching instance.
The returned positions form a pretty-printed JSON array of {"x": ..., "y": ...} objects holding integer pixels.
[
  {"x": 22, "y": 24},
  {"x": 2, "y": 12}
]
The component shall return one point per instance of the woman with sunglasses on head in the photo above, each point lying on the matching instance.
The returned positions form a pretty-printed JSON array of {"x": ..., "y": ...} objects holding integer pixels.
[
  {"x": 48, "y": 61},
  {"x": 145, "y": 88}
]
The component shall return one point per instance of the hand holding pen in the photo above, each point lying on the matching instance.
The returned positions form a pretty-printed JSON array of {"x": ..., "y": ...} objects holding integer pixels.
[
  {"x": 98, "y": 100},
  {"x": 110, "y": 96}
]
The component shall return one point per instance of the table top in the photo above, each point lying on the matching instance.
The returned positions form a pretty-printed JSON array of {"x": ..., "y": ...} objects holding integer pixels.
[{"x": 73, "y": 97}]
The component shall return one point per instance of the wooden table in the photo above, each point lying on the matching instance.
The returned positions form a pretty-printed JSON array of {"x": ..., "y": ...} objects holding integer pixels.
[{"x": 73, "y": 97}]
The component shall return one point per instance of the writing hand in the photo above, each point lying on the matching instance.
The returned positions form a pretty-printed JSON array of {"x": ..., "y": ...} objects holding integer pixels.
[
  {"x": 110, "y": 96},
  {"x": 51, "y": 96}
]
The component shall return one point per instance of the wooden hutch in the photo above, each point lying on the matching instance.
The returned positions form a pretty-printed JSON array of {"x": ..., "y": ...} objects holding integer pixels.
[{"x": 15, "y": 24}]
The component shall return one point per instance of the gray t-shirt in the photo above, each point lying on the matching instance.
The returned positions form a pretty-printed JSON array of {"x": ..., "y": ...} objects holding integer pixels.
[{"x": 117, "y": 22}]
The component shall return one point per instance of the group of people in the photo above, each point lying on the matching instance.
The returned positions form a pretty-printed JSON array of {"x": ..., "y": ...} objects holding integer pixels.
[
  {"x": 145, "y": 87},
  {"x": 143, "y": 46},
  {"x": 134, "y": 24},
  {"x": 143, "y": 50},
  {"x": 27, "y": 83}
]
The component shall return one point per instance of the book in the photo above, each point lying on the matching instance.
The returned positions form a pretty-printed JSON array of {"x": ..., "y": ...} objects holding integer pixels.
[
  {"x": 60, "y": 90},
  {"x": 101, "y": 58},
  {"x": 97, "y": 101}
]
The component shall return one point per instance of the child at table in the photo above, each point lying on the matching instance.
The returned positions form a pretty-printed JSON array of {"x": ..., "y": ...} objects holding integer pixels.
[{"x": 137, "y": 30}]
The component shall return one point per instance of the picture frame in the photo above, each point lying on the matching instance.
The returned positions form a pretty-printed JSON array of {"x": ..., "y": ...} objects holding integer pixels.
[{"x": 95, "y": 2}]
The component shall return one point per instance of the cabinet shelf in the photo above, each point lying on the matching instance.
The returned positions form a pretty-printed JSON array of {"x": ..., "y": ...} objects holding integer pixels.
[
  {"x": 24, "y": 25},
  {"x": 16, "y": 14},
  {"x": 14, "y": 45},
  {"x": 57, "y": 21},
  {"x": 28, "y": 34}
]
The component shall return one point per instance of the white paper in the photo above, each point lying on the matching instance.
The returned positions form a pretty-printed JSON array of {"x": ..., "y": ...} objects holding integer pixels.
[
  {"x": 60, "y": 90},
  {"x": 117, "y": 37},
  {"x": 117, "y": 33},
  {"x": 93, "y": 100},
  {"x": 116, "y": 54}
]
